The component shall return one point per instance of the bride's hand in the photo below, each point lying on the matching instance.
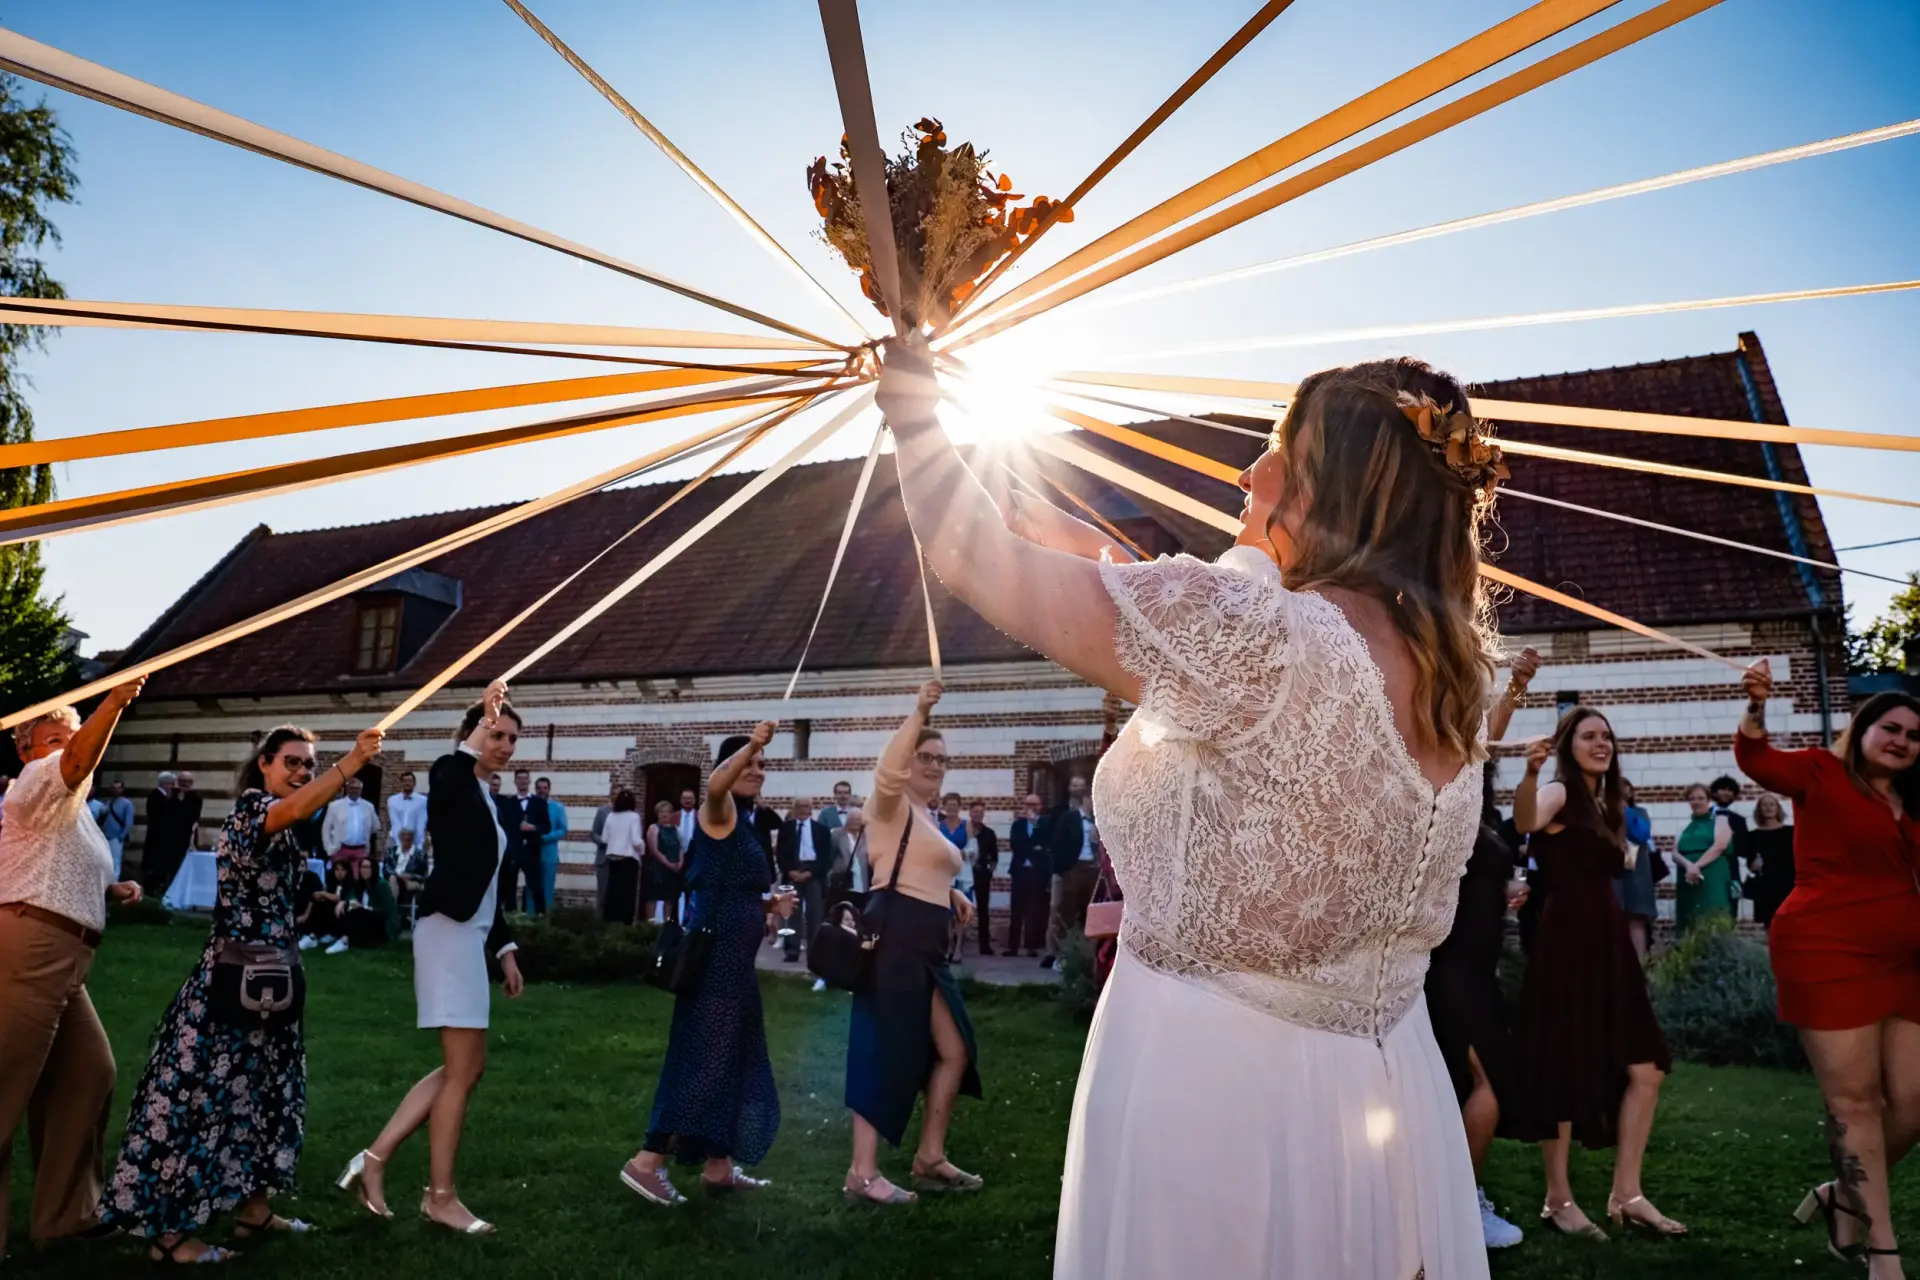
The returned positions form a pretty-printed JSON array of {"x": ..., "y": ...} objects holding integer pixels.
[{"x": 1046, "y": 525}]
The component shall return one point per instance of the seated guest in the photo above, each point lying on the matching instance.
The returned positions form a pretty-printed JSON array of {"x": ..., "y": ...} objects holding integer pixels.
[
  {"x": 328, "y": 901},
  {"x": 311, "y": 915},
  {"x": 370, "y": 918},
  {"x": 409, "y": 872}
]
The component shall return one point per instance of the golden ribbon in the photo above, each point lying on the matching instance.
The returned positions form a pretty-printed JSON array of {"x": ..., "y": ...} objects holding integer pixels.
[
  {"x": 359, "y": 413},
  {"x": 1524, "y": 411},
  {"x": 1260, "y": 21},
  {"x": 1154, "y": 491},
  {"x": 385, "y": 569},
  {"x": 1374, "y": 333},
  {"x": 412, "y": 701},
  {"x": 1547, "y": 70},
  {"x": 62, "y": 70},
  {"x": 839, "y": 553},
  {"x": 376, "y": 328},
  {"x": 681, "y": 159},
  {"x": 1514, "y": 213},
  {"x": 706, "y": 525},
  {"x": 68, "y": 515},
  {"x": 840, "y": 19},
  {"x": 1496, "y": 44}
]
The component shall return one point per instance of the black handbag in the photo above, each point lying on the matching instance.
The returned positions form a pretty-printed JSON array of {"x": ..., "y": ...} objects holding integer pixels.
[
  {"x": 840, "y": 953},
  {"x": 679, "y": 958},
  {"x": 256, "y": 984}
]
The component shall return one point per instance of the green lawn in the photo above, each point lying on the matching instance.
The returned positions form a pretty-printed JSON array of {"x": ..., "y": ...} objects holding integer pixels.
[{"x": 572, "y": 1073}]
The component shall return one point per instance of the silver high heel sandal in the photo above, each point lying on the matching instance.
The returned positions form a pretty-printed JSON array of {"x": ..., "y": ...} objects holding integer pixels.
[
  {"x": 355, "y": 1181},
  {"x": 1588, "y": 1232}
]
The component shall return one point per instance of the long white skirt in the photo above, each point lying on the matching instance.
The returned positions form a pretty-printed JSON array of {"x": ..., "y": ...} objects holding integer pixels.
[{"x": 1212, "y": 1139}]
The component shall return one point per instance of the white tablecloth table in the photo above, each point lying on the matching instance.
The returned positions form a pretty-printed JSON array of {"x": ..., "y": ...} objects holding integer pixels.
[{"x": 196, "y": 885}]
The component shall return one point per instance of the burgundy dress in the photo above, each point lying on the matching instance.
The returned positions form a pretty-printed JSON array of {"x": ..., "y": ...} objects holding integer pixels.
[{"x": 1585, "y": 1016}]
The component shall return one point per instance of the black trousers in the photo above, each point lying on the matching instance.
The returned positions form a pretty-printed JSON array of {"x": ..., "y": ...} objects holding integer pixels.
[
  {"x": 813, "y": 909},
  {"x": 1032, "y": 897},
  {"x": 623, "y": 890},
  {"x": 982, "y": 904}
]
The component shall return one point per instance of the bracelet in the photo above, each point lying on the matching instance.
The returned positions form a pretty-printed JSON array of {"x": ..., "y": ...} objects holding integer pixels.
[{"x": 1516, "y": 690}]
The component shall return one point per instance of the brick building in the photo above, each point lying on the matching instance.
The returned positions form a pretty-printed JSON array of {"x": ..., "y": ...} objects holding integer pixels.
[{"x": 641, "y": 697}]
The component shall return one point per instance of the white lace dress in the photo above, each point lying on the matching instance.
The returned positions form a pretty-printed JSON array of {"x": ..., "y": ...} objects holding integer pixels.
[{"x": 1261, "y": 1094}]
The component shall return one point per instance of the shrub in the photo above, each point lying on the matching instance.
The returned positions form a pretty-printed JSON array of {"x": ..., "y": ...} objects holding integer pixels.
[
  {"x": 573, "y": 944},
  {"x": 1714, "y": 995},
  {"x": 1079, "y": 988}
]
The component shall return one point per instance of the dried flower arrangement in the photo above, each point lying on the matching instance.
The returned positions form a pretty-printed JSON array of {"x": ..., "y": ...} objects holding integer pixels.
[{"x": 952, "y": 220}]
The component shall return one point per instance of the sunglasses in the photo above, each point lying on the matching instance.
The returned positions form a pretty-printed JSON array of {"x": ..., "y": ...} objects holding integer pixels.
[{"x": 930, "y": 760}]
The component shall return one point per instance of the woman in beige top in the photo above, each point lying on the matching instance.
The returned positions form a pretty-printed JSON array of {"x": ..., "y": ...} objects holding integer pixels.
[
  {"x": 909, "y": 1031},
  {"x": 56, "y": 875}
]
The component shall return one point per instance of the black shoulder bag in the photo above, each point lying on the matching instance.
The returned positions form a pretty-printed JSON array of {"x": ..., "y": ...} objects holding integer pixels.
[
  {"x": 256, "y": 984},
  {"x": 841, "y": 950},
  {"x": 679, "y": 957}
]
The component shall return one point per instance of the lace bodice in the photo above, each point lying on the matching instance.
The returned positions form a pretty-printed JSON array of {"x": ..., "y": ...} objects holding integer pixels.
[{"x": 1275, "y": 840}]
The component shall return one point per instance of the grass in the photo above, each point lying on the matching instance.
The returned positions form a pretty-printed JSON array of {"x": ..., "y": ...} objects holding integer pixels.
[{"x": 572, "y": 1074}]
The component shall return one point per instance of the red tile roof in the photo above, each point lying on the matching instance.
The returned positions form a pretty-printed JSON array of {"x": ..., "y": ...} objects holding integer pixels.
[{"x": 741, "y": 599}]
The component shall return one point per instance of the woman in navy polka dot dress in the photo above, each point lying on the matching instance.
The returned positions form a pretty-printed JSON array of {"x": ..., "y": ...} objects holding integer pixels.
[{"x": 716, "y": 1104}]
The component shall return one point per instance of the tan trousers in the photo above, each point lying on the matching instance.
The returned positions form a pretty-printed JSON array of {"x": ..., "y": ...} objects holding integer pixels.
[{"x": 56, "y": 1070}]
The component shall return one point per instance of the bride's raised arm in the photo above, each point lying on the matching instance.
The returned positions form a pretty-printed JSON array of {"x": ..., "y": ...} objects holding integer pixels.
[{"x": 1049, "y": 600}]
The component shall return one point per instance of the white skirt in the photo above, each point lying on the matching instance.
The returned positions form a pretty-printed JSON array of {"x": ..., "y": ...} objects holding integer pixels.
[
  {"x": 1212, "y": 1139},
  {"x": 450, "y": 970}
]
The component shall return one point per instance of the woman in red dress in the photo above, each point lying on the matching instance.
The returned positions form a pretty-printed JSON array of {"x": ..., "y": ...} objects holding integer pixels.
[{"x": 1846, "y": 948}]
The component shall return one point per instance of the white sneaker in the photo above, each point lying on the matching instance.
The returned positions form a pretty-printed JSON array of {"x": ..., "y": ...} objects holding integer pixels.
[
  {"x": 308, "y": 942},
  {"x": 337, "y": 947},
  {"x": 1498, "y": 1232},
  {"x": 819, "y": 984}
]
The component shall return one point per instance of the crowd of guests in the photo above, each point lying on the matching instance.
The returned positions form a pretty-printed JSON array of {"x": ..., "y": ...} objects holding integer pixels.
[{"x": 1052, "y": 863}]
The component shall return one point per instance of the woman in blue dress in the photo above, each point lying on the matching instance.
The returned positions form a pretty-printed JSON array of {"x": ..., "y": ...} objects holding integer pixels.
[
  {"x": 715, "y": 1103},
  {"x": 218, "y": 1119}
]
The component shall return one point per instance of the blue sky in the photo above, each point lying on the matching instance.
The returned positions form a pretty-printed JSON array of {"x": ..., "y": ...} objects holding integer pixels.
[{"x": 462, "y": 96}]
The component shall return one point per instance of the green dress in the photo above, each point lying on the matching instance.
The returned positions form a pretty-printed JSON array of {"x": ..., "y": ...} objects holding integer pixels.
[{"x": 1714, "y": 894}]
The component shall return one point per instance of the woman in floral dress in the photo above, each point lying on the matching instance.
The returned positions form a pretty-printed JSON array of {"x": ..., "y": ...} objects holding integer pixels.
[{"x": 218, "y": 1119}]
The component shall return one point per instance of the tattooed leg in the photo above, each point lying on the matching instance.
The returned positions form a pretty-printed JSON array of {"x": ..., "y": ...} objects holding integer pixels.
[{"x": 1847, "y": 1065}]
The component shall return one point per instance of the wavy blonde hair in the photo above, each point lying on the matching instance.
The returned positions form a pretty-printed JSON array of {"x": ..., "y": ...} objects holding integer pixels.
[{"x": 1382, "y": 515}]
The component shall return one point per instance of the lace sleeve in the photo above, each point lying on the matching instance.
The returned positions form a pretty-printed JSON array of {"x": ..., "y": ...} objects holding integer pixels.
[{"x": 1209, "y": 643}]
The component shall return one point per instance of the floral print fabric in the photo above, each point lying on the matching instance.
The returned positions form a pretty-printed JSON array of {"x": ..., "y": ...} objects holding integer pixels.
[{"x": 220, "y": 1112}]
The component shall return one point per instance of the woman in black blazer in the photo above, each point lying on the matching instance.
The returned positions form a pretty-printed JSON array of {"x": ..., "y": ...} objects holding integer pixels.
[{"x": 460, "y": 921}]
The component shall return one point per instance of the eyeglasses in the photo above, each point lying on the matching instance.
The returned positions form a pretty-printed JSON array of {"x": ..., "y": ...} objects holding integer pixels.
[
  {"x": 293, "y": 763},
  {"x": 930, "y": 760}
]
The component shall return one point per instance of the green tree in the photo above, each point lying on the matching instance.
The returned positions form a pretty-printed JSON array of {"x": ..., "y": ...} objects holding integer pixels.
[
  {"x": 36, "y": 172},
  {"x": 1882, "y": 645}
]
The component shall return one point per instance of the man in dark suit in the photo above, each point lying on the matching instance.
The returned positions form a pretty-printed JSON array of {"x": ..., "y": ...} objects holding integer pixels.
[
  {"x": 986, "y": 861},
  {"x": 1030, "y": 870},
  {"x": 805, "y": 851},
  {"x": 162, "y": 852},
  {"x": 524, "y": 817},
  {"x": 1076, "y": 866}
]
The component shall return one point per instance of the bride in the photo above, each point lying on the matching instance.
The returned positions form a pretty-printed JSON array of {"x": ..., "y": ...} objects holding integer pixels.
[{"x": 1289, "y": 811}]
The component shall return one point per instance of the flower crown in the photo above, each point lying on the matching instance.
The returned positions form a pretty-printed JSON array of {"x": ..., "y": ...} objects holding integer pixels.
[{"x": 1456, "y": 440}]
